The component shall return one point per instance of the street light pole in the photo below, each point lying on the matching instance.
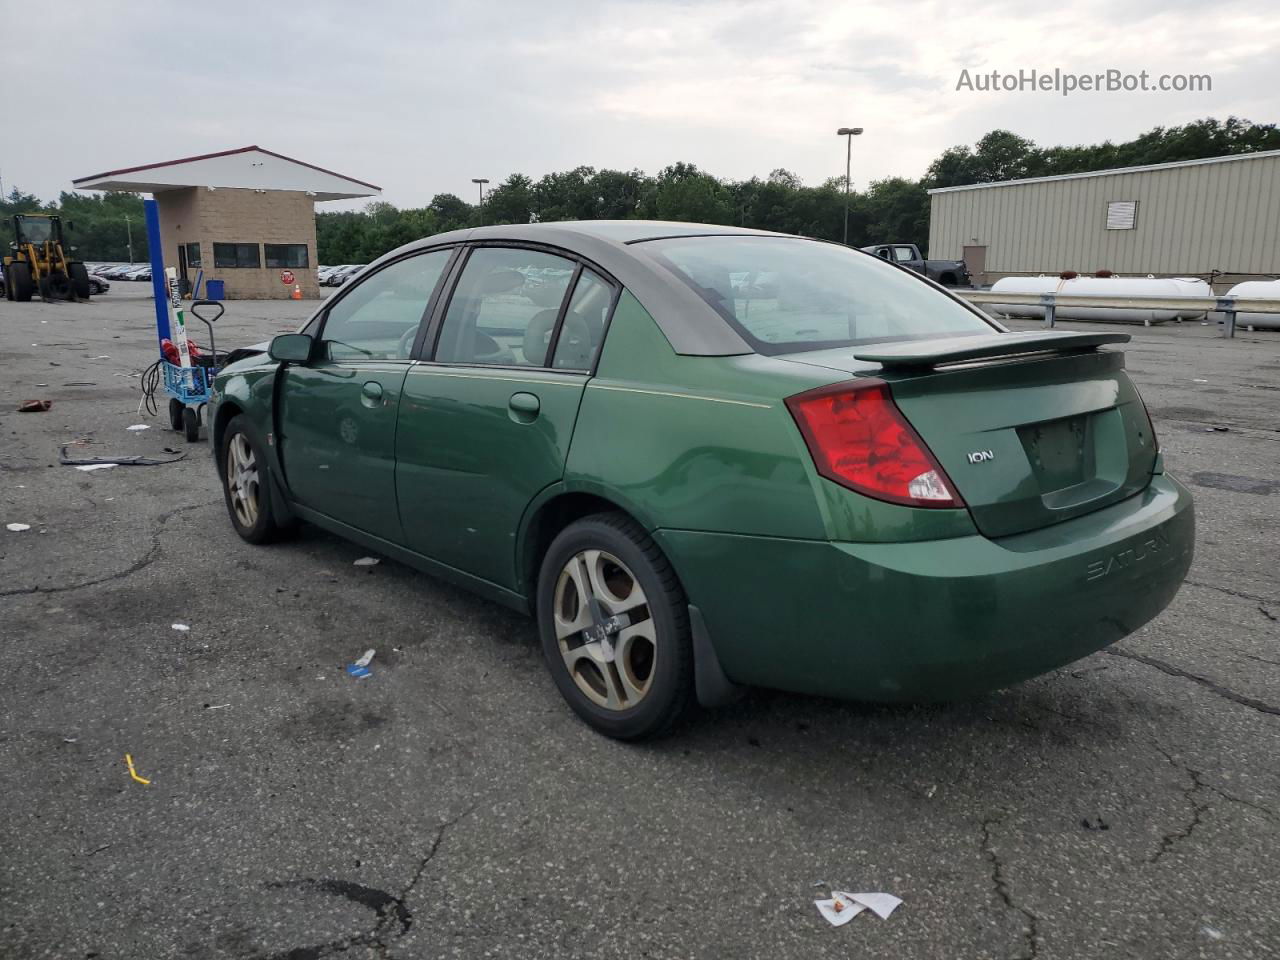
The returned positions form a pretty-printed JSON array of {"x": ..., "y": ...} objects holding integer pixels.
[
  {"x": 480, "y": 182},
  {"x": 128, "y": 229},
  {"x": 848, "y": 133}
]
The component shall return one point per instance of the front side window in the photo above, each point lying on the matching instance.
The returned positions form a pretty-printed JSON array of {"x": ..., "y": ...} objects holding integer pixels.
[
  {"x": 286, "y": 254},
  {"x": 818, "y": 294},
  {"x": 504, "y": 307},
  {"x": 378, "y": 318},
  {"x": 582, "y": 331},
  {"x": 243, "y": 255}
]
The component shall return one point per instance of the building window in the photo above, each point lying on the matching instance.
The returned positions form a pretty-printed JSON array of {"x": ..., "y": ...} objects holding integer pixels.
[
  {"x": 193, "y": 255},
  {"x": 1122, "y": 214},
  {"x": 286, "y": 254},
  {"x": 236, "y": 255}
]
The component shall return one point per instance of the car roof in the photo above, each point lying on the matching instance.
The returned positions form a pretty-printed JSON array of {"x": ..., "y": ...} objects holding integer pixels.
[{"x": 690, "y": 325}]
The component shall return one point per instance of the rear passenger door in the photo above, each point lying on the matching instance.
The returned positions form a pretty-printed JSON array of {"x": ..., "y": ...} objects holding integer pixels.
[{"x": 485, "y": 423}]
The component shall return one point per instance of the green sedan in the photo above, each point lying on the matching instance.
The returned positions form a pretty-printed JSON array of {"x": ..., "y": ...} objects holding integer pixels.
[{"x": 706, "y": 459}]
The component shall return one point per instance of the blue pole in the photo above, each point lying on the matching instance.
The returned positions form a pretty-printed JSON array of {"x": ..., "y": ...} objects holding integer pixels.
[{"x": 159, "y": 289}]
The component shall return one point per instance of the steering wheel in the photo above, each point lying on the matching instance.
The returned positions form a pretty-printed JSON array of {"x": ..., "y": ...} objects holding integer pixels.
[{"x": 405, "y": 347}]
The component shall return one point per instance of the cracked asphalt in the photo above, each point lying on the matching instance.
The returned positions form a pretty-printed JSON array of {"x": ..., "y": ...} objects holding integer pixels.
[{"x": 451, "y": 806}]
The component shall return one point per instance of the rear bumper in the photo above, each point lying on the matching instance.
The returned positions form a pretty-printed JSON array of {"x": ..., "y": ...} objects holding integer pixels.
[{"x": 939, "y": 619}]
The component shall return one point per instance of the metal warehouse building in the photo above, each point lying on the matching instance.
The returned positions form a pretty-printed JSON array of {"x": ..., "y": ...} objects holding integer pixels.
[{"x": 1217, "y": 218}]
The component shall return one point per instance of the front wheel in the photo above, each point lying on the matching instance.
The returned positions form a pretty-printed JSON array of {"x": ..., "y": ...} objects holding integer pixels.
[
  {"x": 191, "y": 424},
  {"x": 614, "y": 624},
  {"x": 78, "y": 276},
  {"x": 245, "y": 484}
]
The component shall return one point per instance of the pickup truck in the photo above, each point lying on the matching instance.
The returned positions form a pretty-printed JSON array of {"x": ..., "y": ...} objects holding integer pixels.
[{"x": 949, "y": 273}]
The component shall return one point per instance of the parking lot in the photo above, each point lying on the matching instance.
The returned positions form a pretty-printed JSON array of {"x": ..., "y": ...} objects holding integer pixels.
[{"x": 451, "y": 804}]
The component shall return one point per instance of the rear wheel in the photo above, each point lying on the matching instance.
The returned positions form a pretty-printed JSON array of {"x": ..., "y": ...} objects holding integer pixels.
[
  {"x": 191, "y": 424},
  {"x": 175, "y": 413},
  {"x": 18, "y": 280},
  {"x": 246, "y": 484},
  {"x": 79, "y": 275},
  {"x": 614, "y": 624}
]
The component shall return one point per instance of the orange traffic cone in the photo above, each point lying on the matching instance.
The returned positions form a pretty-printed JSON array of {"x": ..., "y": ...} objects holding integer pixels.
[{"x": 297, "y": 291}]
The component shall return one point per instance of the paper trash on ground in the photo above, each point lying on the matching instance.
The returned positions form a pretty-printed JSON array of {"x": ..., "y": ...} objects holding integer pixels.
[
  {"x": 839, "y": 910},
  {"x": 17, "y": 527},
  {"x": 90, "y": 467},
  {"x": 360, "y": 668},
  {"x": 366, "y": 562},
  {"x": 843, "y": 907},
  {"x": 139, "y": 426},
  {"x": 181, "y": 627}
]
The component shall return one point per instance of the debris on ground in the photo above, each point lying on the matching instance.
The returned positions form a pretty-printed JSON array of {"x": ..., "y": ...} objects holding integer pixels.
[
  {"x": 115, "y": 461},
  {"x": 90, "y": 467},
  {"x": 1217, "y": 429},
  {"x": 132, "y": 772},
  {"x": 1096, "y": 823},
  {"x": 360, "y": 668},
  {"x": 181, "y": 627},
  {"x": 17, "y": 527},
  {"x": 139, "y": 426},
  {"x": 367, "y": 562},
  {"x": 35, "y": 406},
  {"x": 843, "y": 907}
]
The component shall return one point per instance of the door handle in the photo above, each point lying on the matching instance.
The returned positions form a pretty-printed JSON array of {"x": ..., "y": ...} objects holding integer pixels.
[
  {"x": 524, "y": 406},
  {"x": 371, "y": 394}
]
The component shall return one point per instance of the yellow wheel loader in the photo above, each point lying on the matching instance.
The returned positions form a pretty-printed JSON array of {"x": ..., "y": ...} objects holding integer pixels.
[{"x": 37, "y": 263}]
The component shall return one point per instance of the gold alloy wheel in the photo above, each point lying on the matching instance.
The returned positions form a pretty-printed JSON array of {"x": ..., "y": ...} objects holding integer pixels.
[
  {"x": 604, "y": 630},
  {"x": 242, "y": 480}
]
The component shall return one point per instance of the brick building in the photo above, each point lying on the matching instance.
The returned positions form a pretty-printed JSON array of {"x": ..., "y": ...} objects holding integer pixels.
[{"x": 244, "y": 216}]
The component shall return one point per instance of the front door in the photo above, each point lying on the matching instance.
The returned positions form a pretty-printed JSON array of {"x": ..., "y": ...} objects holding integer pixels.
[
  {"x": 485, "y": 425},
  {"x": 337, "y": 422}
]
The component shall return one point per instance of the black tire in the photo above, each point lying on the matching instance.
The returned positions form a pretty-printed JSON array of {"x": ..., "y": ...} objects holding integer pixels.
[
  {"x": 265, "y": 526},
  {"x": 56, "y": 286},
  {"x": 191, "y": 424},
  {"x": 670, "y": 682},
  {"x": 79, "y": 275},
  {"x": 18, "y": 279},
  {"x": 175, "y": 413}
]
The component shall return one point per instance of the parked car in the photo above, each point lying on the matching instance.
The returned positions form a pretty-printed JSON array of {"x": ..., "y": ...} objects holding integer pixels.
[
  {"x": 949, "y": 273},
  {"x": 117, "y": 272},
  {"x": 859, "y": 486},
  {"x": 345, "y": 273},
  {"x": 97, "y": 285},
  {"x": 323, "y": 274},
  {"x": 140, "y": 272}
]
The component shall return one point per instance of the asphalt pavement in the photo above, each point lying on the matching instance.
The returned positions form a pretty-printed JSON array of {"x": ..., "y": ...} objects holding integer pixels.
[{"x": 450, "y": 805}]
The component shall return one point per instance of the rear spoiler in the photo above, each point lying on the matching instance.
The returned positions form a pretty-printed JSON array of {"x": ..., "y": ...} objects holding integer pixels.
[{"x": 932, "y": 353}]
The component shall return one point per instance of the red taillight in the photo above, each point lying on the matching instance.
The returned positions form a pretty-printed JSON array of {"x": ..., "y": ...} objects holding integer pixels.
[{"x": 859, "y": 438}]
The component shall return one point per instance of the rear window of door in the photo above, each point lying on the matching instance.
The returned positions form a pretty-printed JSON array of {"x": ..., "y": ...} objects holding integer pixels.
[
  {"x": 505, "y": 307},
  {"x": 379, "y": 317}
]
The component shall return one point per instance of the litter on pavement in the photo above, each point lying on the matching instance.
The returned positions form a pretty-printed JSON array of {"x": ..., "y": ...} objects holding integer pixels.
[
  {"x": 366, "y": 562},
  {"x": 17, "y": 527},
  {"x": 35, "y": 406},
  {"x": 843, "y": 907},
  {"x": 90, "y": 467},
  {"x": 138, "y": 426},
  {"x": 360, "y": 668},
  {"x": 132, "y": 772},
  {"x": 181, "y": 627}
]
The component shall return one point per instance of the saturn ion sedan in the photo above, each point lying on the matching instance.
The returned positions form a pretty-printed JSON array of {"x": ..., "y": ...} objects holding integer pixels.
[{"x": 706, "y": 459}]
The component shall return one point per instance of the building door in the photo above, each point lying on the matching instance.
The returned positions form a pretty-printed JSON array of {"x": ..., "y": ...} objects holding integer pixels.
[{"x": 975, "y": 259}]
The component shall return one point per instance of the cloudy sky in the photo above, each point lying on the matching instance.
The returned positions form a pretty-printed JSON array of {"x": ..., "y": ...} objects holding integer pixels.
[{"x": 421, "y": 97}]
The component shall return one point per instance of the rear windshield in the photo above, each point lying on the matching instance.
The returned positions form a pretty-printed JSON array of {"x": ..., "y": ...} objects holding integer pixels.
[{"x": 786, "y": 294}]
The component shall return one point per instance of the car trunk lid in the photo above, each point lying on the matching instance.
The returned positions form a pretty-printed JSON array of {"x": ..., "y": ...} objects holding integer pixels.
[{"x": 1031, "y": 429}]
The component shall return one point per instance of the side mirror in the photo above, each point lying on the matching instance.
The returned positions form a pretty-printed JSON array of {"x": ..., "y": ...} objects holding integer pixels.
[{"x": 291, "y": 348}]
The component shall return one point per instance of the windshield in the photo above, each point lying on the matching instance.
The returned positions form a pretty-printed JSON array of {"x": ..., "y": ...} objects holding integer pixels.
[
  {"x": 36, "y": 230},
  {"x": 786, "y": 294}
]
